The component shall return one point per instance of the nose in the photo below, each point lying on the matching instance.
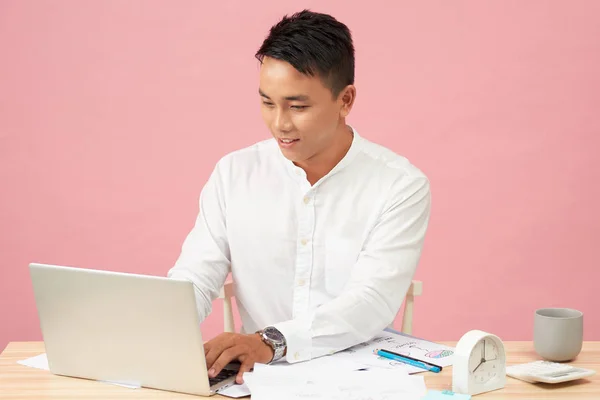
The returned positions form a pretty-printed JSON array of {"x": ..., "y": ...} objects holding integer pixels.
[{"x": 282, "y": 121}]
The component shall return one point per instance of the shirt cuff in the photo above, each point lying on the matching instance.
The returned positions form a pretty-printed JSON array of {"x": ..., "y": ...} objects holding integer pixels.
[{"x": 298, "y": 339}]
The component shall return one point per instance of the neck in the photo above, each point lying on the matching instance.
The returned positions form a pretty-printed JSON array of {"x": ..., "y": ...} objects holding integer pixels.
[{"x": 321, "y": 164}]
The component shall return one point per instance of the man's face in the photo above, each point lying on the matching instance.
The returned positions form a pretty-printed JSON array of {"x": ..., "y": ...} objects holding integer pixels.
[{"x": 299, "y": 110}]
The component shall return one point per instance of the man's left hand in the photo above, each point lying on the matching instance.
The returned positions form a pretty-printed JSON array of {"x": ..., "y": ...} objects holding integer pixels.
[{"x": 226, "y": 347}]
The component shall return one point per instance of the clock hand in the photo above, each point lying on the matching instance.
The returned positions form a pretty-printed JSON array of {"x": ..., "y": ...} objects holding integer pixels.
[
  {"x": 482, "y": 356},
  {"x": 483, "y": 351},
  {"x": 480, "y": 364}
]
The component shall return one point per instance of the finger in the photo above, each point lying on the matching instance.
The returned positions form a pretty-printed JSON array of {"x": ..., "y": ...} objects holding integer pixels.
[
  {"x": 216, "y": 340},
  {"x": 207, "y": 347},
  {"x": 211, "y": 357},
  {"x": 214, "y": 348},
  {"x": 225, "y": 358},
  {"x": 245, "y": 367},
  {"x": 214, "y": 354}
]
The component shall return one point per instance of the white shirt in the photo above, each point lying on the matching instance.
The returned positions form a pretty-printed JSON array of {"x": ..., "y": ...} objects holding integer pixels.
[{"x": 329, "y": 264}]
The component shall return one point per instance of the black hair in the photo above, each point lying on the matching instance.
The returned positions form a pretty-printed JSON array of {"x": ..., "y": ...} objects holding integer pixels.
[{"x": 314, "y": 44}]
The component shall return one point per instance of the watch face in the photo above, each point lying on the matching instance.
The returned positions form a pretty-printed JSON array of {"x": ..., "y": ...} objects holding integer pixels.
[{"x": 274, "y": 335}]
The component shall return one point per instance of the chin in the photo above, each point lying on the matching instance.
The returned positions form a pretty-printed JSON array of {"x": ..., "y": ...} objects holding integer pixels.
[{"x": 292, "y": 156}]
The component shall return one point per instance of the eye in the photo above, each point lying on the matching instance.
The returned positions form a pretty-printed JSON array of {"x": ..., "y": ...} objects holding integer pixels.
[
  {"x": 299, "y": 108},
  {"x": 268, "y": 104}
]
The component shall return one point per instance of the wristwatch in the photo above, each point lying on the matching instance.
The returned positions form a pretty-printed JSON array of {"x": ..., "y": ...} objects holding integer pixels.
[{"x": 275, "y": 339}]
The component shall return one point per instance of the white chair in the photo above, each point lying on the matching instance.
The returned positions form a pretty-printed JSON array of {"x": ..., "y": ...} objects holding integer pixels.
[{"x": 415, "y": 289}]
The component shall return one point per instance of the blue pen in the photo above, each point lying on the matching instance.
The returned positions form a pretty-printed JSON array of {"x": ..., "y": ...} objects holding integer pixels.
[{"x": 409, "y": 361}]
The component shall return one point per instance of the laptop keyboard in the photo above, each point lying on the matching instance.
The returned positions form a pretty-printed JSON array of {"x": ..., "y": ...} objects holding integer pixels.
[{"x": 221, "y": 376}]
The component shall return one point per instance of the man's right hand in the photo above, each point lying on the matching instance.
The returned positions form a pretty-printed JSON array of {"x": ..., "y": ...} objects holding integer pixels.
[{"x": 248, "y": 349}]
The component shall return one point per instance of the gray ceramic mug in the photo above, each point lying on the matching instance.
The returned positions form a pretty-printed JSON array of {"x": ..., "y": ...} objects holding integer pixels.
[{"x": 558, "y": 333}]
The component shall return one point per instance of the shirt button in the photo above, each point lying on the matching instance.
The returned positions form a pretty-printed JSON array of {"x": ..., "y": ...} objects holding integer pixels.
[
  {"x": 297, "y": 355},
  {"x": 304, "y": 242},
  {"x": 306, "y": 200},
  {"x": 298, "y": 172},
  {"x": 301, "y": 282}
]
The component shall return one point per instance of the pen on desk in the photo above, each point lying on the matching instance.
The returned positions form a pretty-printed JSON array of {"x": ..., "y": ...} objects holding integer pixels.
[
  {"x": 408, "y": 360},
  {"x": 412, "y": 358}
]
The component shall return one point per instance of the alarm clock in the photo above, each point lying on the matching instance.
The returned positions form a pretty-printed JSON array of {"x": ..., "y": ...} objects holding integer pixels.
[{"x": 479, "y": 363}]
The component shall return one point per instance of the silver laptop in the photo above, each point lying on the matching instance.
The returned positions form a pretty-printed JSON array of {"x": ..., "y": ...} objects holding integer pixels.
[{"x": 124, "y": 328}]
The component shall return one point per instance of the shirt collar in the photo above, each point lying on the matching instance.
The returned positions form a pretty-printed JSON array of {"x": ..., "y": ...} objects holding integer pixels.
[{"x": 355, "y": 146}]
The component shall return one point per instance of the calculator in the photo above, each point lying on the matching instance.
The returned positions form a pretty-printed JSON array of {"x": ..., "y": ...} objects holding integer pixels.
[{"x": 547, "y": 372}]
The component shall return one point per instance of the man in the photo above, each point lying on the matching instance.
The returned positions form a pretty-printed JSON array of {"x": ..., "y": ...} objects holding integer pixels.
[{"x": 321, "y": 229}]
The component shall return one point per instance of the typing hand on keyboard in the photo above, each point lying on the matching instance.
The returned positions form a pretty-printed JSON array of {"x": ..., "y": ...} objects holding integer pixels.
[{"x": 227, "y": 347}]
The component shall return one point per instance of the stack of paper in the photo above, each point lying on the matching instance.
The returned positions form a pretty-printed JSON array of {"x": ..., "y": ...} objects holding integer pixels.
[
  {"x": 318, "y": 365},
  {"x": 269, "y": 382}
]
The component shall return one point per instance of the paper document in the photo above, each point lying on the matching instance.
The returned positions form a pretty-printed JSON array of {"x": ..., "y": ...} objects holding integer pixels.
[
  {"x": 399, "y": 343},
  {"x": 320, "y": 365},
  {"x": 236, "y": 391},
  {"x": 272, "y": 383},
  {"x": 41, "y": 362}
]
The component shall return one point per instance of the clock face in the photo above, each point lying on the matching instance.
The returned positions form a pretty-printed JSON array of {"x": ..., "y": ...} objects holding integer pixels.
[{"x": 485, "y": 361}]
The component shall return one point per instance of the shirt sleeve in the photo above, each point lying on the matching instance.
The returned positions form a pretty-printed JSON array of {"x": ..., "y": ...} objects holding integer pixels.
[
  {"x": 205, "y": 258},
  {"x": 378, "y": 283}
]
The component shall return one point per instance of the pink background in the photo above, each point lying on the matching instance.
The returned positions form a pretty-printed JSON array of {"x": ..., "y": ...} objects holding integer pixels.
[{"x": 113, "y": 113}]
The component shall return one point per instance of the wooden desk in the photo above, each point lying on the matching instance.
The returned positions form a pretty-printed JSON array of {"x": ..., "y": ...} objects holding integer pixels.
[{"x": 20, "y": 382}]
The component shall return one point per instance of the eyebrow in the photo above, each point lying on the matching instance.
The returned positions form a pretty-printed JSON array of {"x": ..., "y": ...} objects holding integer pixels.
[{"x": 299, "y": 97}]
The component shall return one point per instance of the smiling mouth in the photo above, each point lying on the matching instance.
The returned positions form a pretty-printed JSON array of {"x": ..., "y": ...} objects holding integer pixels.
[{"x": 288, "y": 141}]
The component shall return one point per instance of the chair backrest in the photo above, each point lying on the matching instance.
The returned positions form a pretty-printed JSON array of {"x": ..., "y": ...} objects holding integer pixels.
[{"x": 415, "y": 289}]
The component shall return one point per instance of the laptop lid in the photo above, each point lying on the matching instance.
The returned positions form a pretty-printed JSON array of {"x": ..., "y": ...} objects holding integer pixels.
[{"x": 121, "y": 327}]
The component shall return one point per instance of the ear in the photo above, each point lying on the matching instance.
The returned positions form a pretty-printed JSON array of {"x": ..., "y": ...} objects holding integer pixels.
[{"x": 346, "y": 99}]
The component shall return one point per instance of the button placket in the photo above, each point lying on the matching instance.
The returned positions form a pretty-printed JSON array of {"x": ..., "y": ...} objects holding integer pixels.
[{"x": 304, "y": 256}]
